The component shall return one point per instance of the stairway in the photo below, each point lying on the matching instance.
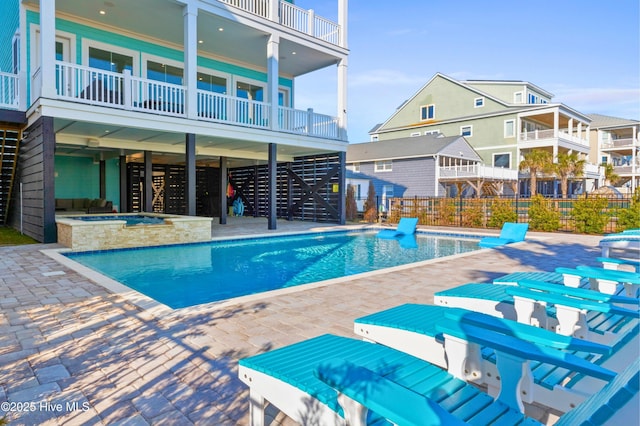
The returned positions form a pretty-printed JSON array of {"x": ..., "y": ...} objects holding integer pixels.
[{"x": 9, "y": 141}]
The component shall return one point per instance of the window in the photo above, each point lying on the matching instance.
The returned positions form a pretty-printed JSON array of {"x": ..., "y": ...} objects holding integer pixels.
[
  {"x": 427, "y": 112},
  {"x": 517, "y": 98},
  {"x": 108, "y": 61},
  {"x": 509, "y": 128},
  {"x": 387, "y": 191},
  {"x": 502, "y": 160},
  {"x": 414, "y": 134},
  {"x": 432, "y": 132},
  {"x": 384, "y": 166},
  {"x": 466, "y": 131},
  {"x": 532, "y": 99},
  {"x": 212, "y": 83},
  {"x": 478, "y": 102},
  {"x": 355, "y": 167},
  {"x": 164, "y": 72},
  {"x": 375, "y": 138}
]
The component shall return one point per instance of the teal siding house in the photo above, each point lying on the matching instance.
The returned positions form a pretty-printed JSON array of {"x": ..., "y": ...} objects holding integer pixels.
[{"x": 160, "y": 105}]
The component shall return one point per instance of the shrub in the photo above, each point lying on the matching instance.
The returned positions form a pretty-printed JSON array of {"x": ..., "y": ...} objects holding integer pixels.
[
  {"x": 590, "y": 215},
  {"x": 543, "y": 216},
  {"x": 446, "y": 211},
  {"x": 472, "y": 216},
  {"x": 351, "y": 209},
  {"x": 629, "y": 218},
  {"x": 501, "y": 211}
]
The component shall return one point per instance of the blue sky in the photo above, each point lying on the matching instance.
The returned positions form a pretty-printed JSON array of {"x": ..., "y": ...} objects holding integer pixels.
[{"x": 587, "y": 53}]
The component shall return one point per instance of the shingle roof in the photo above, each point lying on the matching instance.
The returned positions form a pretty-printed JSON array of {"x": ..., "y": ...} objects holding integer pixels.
[
  {"x": 599, "y": 121},
  {"x": 418, "y": 146}
]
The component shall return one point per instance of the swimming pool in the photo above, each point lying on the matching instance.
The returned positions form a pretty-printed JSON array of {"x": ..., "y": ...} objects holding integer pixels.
[{"x": 192, "y": 274}]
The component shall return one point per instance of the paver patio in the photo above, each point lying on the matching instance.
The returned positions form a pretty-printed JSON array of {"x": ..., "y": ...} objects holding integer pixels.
[{"x": 71, "y": 352}]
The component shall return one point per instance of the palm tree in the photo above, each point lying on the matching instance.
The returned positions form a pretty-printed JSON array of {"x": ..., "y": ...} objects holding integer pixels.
[
  {"x": 568, "y": 165},
  {"x": 610, "y": 175},
  {"x": 536, "y": 161}
]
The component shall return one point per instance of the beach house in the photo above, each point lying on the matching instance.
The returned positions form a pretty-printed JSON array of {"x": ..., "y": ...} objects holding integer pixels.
[{"x": 171, "y": 106}]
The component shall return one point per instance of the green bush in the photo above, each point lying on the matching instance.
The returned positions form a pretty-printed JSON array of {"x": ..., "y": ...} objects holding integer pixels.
[
  {"x": 543, "y": 216},
  {"x": 629, "y": 218},
  {"x": 446, "y": 210},
  {"x": 590, "y": 215},
  {"x": 351, "y": 209},
  {"x": 472, "y": 216},
  {"x": 501, "y": 211}
]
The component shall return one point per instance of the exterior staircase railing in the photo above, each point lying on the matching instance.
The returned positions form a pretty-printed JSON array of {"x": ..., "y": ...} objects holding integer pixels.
[{"x": 9, "y": 145}]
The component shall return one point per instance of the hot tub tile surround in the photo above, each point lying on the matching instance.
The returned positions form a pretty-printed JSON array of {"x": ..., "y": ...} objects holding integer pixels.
[{"x": 81, "y": 235}]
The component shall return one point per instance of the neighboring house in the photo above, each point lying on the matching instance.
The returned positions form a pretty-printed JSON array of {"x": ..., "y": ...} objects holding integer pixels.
[
  {"x": 502, "y": 120},
  {"x": 156, "y": 105},
  {"x": 422, "y": 166},
  {"x": 615, "y": 141}
]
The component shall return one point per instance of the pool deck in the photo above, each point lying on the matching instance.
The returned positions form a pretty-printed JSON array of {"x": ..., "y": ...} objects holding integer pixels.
[{"x": 66, "y": 340}]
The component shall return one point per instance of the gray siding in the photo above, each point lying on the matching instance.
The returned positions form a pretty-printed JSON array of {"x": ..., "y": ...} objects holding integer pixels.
[{"x": 409, "y": 177}]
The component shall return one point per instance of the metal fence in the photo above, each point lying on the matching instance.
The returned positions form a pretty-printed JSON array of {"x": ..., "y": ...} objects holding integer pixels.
[{"x": 477, "y": 212}]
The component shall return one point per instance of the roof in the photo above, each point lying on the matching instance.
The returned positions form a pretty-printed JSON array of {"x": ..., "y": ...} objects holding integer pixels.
[
  {"x": 410, "y": 147},
  {"x": 599, "y": 121}
]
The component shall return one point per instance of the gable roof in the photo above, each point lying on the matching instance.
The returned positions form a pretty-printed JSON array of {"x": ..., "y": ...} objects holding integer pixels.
[
  {"x": 599, "y": 121},
  {"x": 411, "y": 147}
]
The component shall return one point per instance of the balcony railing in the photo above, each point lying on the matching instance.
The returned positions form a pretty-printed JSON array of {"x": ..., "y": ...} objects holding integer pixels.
[
  {"x": 293, "y": 17},
  {"x": 8, "y": 90},
  {"x": 105, "y": 88},
  {"x": 619, "y": 143},
  {"x": 550, "y": 134},
  {"x": 478, "y": 171}
]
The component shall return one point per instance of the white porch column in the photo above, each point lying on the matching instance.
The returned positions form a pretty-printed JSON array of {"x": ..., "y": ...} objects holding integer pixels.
[
  {"x": 274, "y": 9},
  {"x": 580, "y": 132},
  {"x": 47, "y": 48},
  {"x": 556, "y": 123},
  {"x": 190, "y": 15},
  {"x": 518, "y": 129},
  {"x": 342, "y": 21},
  {"x": 342, "y": 98},
  {"x": 273, "y": 53},
  {"x": 570, "y": 127},
  {"x": 22, "y": 71}
]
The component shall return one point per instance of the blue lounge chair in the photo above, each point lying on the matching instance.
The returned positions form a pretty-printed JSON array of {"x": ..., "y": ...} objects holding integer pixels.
[
  {"x": 583, "y": 313},
  {"x": 406, "y": 226},
  {"x": 362, "y": 390},
  {"x": 510, "y": 233},
  {"x": 415, "y": 329},
  {"x": 625, "y": 241},
  {"x": 604, "y": 280},
  {"x": 293, "y": 378}
]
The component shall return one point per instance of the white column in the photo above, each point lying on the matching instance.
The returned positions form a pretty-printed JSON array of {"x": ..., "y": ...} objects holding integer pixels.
[
  {"x": 342, "y": 21},
  {"x": 22, "y": 72},
  {"x": 273, "y": 53},
  {"x": 556, "y": 123},
  {"x": 47, "y": 48},
  {"x": 274, "y": 9},
  {"x": 342, "y": 98},
  {"x": 570, "y": 127},
  {"x": 190, "y": 15}
]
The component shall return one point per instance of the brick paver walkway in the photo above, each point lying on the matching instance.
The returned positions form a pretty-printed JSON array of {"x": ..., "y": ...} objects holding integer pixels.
[{"x": 72, "y": 352}]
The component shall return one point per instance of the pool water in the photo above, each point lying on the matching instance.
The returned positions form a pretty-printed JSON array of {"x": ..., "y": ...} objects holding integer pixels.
[{"x": 187, "y": 275}]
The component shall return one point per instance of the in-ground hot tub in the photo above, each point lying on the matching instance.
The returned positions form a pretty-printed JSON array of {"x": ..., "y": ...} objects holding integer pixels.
[{"x": 103, "y": 232}]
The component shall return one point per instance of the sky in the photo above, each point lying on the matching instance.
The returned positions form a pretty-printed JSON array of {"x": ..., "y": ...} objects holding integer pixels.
[{"x": 585, "y": 52}]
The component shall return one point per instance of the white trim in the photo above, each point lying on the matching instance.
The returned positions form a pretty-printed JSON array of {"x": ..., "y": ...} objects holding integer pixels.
[
  {"x": 493, "y": 159},
  {"x": 215, "y": 73},
  {"x": 239, "y": 79},
  {"x": 470, "y": 126},
  {"x": 426, "y": 106},
  {"x": 432, "y": 132},
  {"x": 415, "y": 134},
  {"x": 384, "y": 164},
  {"x": 515, "y": 95},
  {"x": 68, "y": 39},
  {"x": 146, "y": 57}
]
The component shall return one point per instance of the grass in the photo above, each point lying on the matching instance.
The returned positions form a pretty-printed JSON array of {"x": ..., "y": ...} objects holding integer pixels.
[{"x": 11, "y": 237}]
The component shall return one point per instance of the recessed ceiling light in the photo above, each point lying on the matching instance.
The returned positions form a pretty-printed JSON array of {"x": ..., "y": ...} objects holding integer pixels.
[
  {"x": 200, "y": 41},
  {"x": 103, "y": 12},
  {"x": 220, "y": 29}
]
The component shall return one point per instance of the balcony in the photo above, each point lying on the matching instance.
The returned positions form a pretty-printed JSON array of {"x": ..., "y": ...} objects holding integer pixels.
[
  {"x": 615, "y": 144},
  {"x": 476, "y": 171},
  {"x": 294, "y": 17},
  {"x": 547, "y": 137},
  {"x": 8, "y": 91},
  {"x": 93, "y": 86}
]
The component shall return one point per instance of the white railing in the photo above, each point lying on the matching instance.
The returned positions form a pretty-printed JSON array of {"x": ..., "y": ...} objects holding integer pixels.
[
  {"x": 548, "y": 134},
  {"x": 478, "y": 171},
  {"x": 8, "y": 90},
  {"x": 619, "y": 143},
  {"x": 292, "y": 16},
  {"x": 105, "y": 88}
]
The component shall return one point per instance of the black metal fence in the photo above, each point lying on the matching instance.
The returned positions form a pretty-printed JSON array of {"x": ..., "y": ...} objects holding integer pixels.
[{"x": 477, "y": 212}]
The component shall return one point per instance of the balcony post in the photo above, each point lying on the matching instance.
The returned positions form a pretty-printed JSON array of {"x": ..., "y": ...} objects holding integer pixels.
[
  {"x": 273, "y": 49},
  {"x": 309, "y": 121},
  {"x": 47, "y": 49},
  {"x": 126, "y": 90},
  {"x": 190, "y": 15},
  {"x": 342, "y": 99},
  {"x": 312, "y": 22},
  {"x": 556, "y": 123},
  {"x": 22, "y": 71},
  {"x": 342, "y": 21},
  {"x": 274, "y": 8}
]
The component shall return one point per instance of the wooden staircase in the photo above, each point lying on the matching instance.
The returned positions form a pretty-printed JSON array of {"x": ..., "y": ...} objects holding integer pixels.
[{"x": 9, "y": 145}]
